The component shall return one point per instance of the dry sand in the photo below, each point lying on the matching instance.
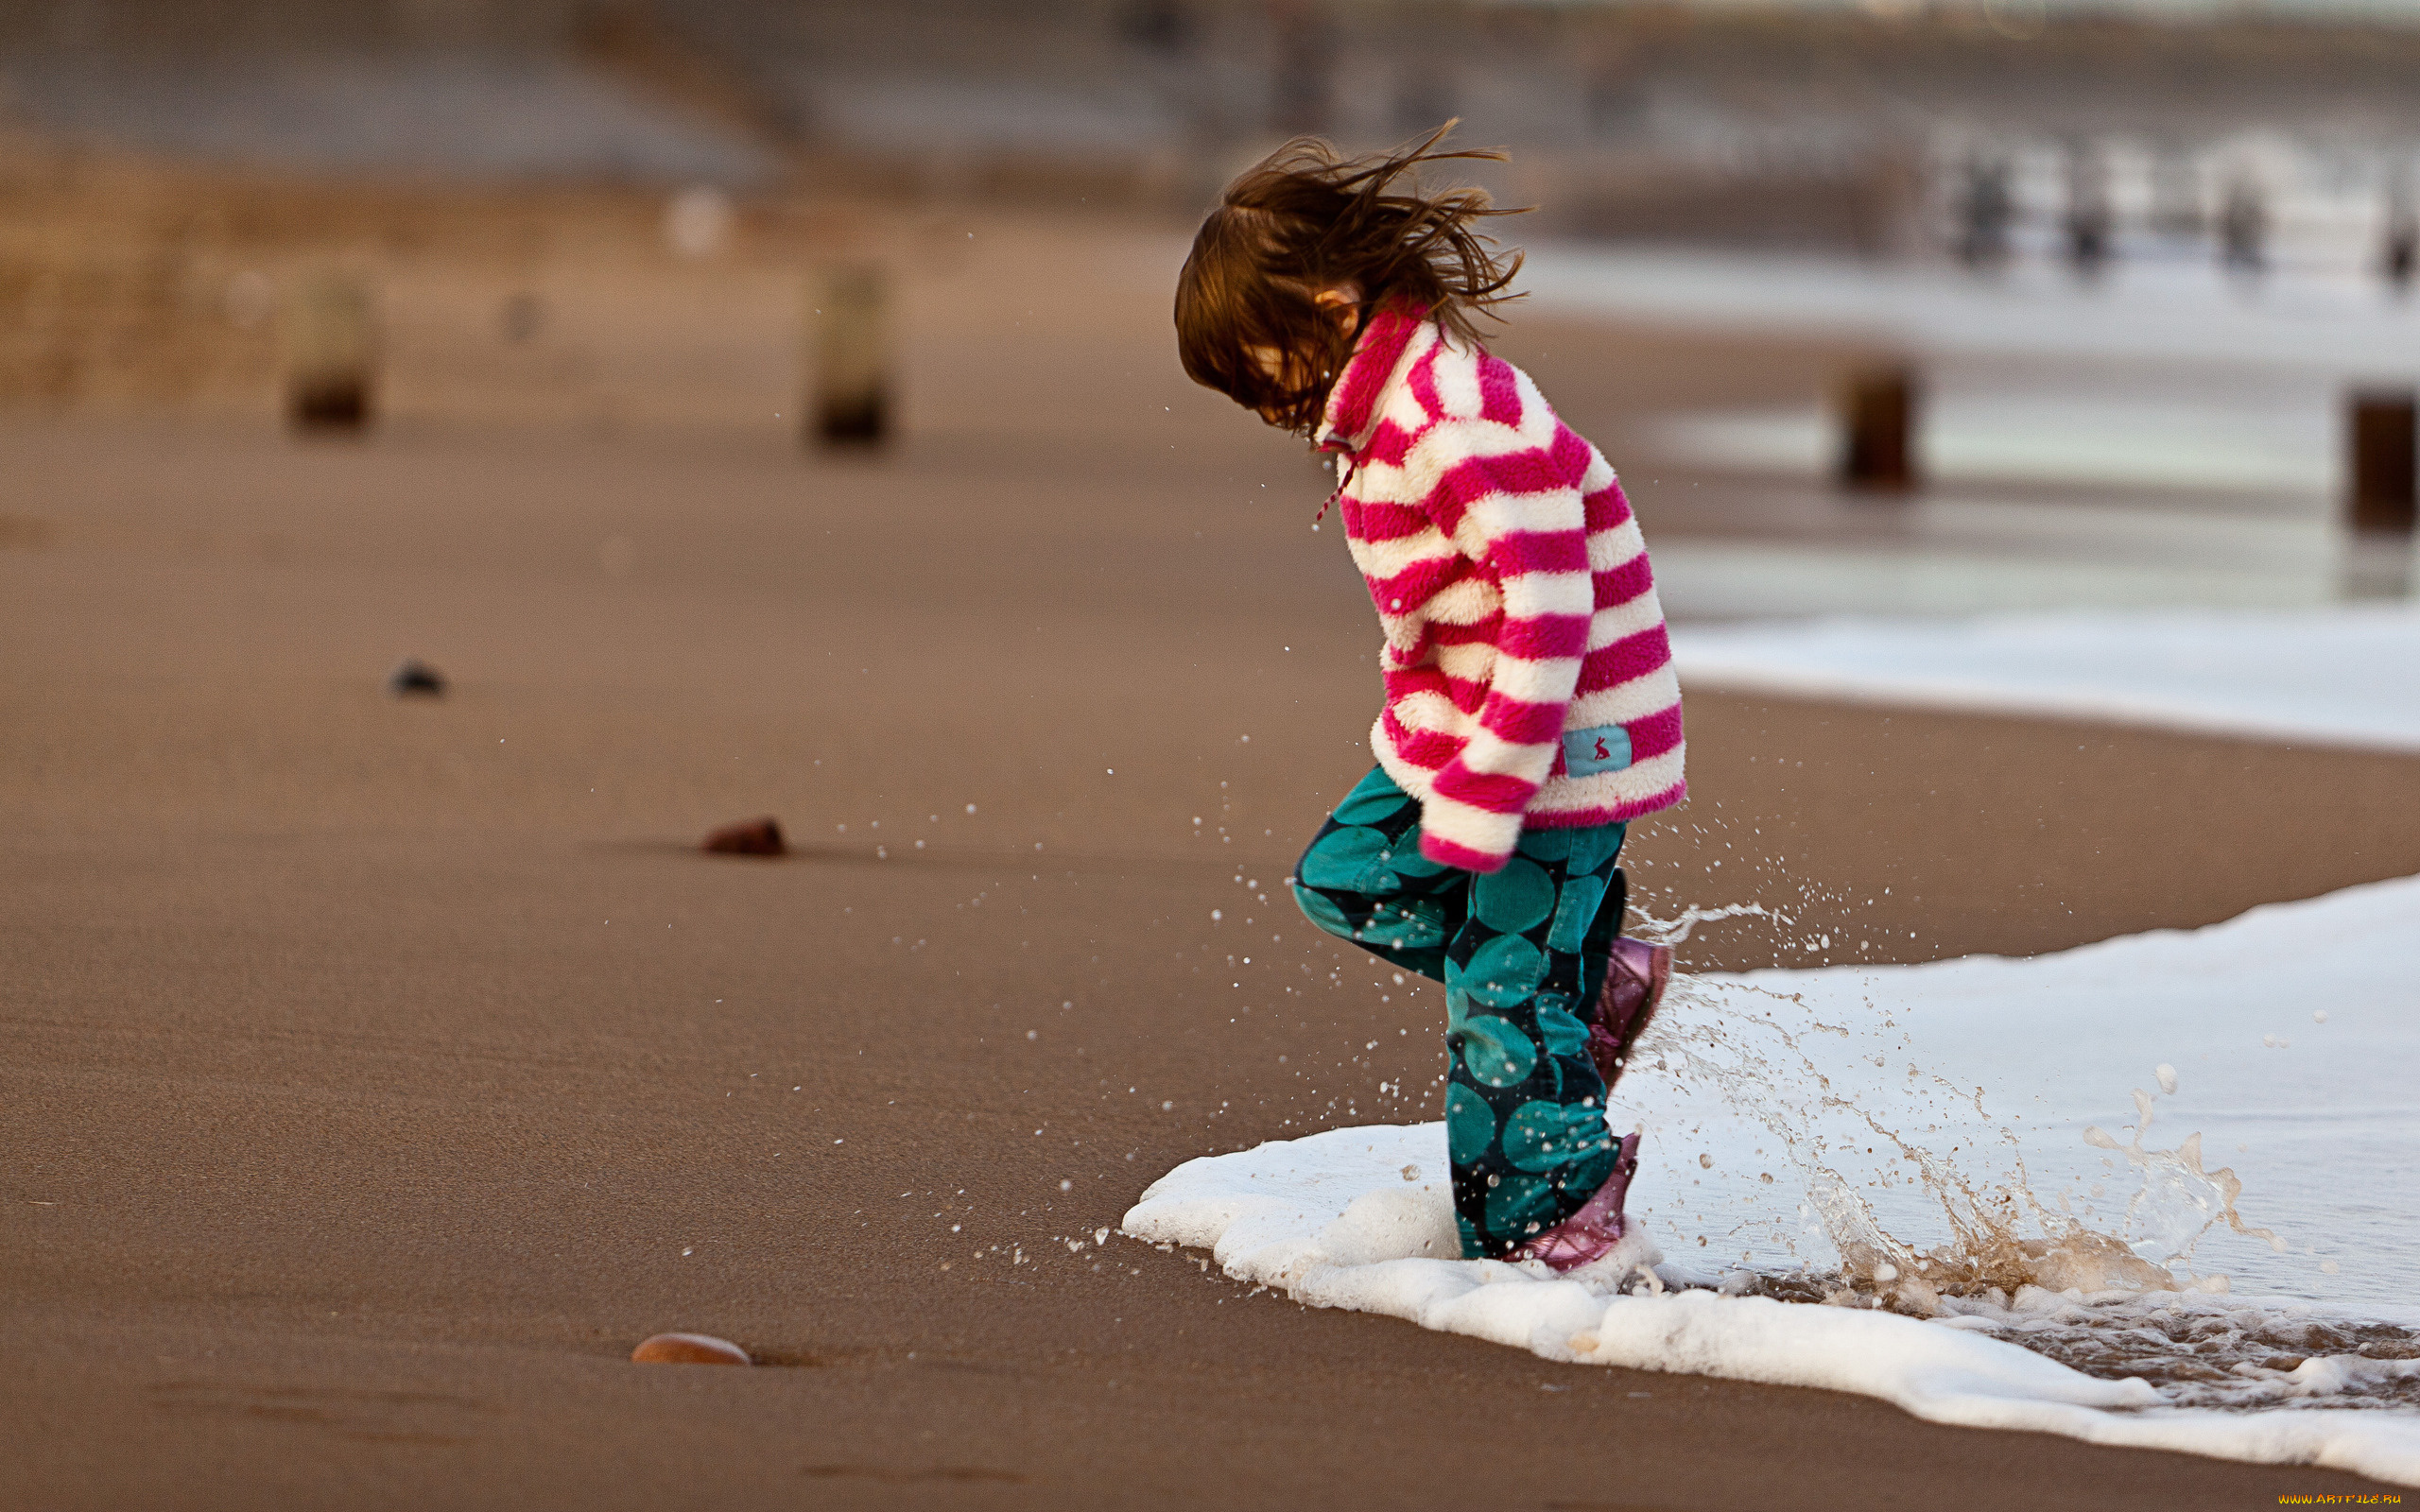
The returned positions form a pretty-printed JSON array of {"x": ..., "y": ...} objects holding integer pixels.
[{"x": 374, "y": 1073}]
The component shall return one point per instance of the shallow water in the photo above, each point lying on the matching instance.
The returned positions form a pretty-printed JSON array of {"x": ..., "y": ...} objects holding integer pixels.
[
  {"x": 1980, "y": 1103},
  {"x": 1937, "y": 1126},
  {"x": 1361, "y": 1218},
  {"x": 2245, "y": 439},
  {"x": 2315, "y": 321},
  {"x": 2177, "y": 1165},
  {"x": 2342, "y": 675}
]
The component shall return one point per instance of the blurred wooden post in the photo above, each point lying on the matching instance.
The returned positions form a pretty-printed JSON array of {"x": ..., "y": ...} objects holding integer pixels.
[
  {"x": 2383, "y": 475},
  {"x": 848, "y": 336},
  {"x": 1986, "y": 210},
  {"x": 1877, "y": 414},
  {"x": 2243, "y": 227},
  {"x": 2092, "y": 220},
  {"x": 2381, "y": 478},
  {"x": 2399, "y": 247},
  {"x": 331, "y": 342}
]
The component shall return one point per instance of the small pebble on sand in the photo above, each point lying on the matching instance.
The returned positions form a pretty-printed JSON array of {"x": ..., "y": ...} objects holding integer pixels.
[
  {"x": 748, "y": 837},
  {"x": 689, "y": 1348},
  {"x": 415, "y": 679}
]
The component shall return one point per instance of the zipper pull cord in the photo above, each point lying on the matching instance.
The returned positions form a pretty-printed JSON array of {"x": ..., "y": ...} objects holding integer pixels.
[{"x": 1343, "y": 476}]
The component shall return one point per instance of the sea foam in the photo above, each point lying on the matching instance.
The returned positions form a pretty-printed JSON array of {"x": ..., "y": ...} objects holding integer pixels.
[{"x": 1897, "y": 1181}]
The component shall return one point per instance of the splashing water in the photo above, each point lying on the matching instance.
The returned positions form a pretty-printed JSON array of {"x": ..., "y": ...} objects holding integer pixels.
[
  {"x": 2179, "y": 1201},
  {"x": 1676, "y": 930},
  {"x": 1955, "y": 1193},
  {"x": 1923, "y": 1194}
]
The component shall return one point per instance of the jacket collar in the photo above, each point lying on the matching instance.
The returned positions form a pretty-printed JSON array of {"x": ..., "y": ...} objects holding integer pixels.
[{"x": 1352, "y": 405}]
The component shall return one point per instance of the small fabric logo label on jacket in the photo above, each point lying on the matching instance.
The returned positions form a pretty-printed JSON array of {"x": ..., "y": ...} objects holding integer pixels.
[{"x": 1604, "y": 749}]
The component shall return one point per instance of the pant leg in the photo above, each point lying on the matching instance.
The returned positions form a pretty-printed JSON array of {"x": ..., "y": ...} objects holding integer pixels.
[
  {"x": 1524, "y": 1105},
  {"x": 1364, "y": 880}
]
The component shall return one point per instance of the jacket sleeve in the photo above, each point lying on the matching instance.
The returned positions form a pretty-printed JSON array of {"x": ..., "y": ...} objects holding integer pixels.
[{"x": 1517, "y": 512}]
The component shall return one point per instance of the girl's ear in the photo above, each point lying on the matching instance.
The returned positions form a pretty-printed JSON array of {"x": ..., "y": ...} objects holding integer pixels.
[{"x": 1341, "y": 302}]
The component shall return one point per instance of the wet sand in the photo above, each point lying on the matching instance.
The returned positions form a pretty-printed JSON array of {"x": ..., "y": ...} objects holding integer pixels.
[{"x": 375, "y": 1072}]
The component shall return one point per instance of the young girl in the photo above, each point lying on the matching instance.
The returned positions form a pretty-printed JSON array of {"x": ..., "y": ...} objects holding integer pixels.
[{"x": 1532, "y": 708}]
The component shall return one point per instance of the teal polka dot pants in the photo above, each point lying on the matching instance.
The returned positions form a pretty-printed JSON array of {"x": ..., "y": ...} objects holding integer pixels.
[{"x": 1520, "y": 953}]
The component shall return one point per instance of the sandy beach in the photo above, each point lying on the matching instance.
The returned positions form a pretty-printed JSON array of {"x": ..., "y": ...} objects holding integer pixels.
[{"x": 374, "y": 1072}]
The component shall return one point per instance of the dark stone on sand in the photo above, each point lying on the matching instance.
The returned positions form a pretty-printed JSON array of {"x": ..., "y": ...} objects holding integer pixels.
[
  {"x": 415, "y": 679},
  {"x": 748, "y": 837},
  {"x": 689, "y": 1348},
  {"x": 332, "y": 404}
]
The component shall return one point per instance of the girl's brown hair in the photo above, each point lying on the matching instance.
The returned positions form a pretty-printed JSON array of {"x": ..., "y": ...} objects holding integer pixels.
[{"x": 1305, "y": 220}]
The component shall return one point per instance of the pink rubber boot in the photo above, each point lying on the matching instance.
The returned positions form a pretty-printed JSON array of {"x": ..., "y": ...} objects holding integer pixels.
[
  {"x": 1591, "y": 1233},
  {"x": 1635, "y": 980}
]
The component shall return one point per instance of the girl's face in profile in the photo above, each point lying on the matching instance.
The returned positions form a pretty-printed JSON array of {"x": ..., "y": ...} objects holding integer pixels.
[
  {"x": 1342, "y": 303},
  {"x": 1270, "y": 364}
]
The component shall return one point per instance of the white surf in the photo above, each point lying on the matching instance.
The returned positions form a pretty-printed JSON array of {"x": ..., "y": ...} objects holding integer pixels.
[
  {"x": 1951, "y": 1187},
  {"x": 2344, "y": 675}
]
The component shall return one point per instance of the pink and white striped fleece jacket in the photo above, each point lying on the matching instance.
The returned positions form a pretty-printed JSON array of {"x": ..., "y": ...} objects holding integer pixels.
[{"x": 1529, "y": 678}]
